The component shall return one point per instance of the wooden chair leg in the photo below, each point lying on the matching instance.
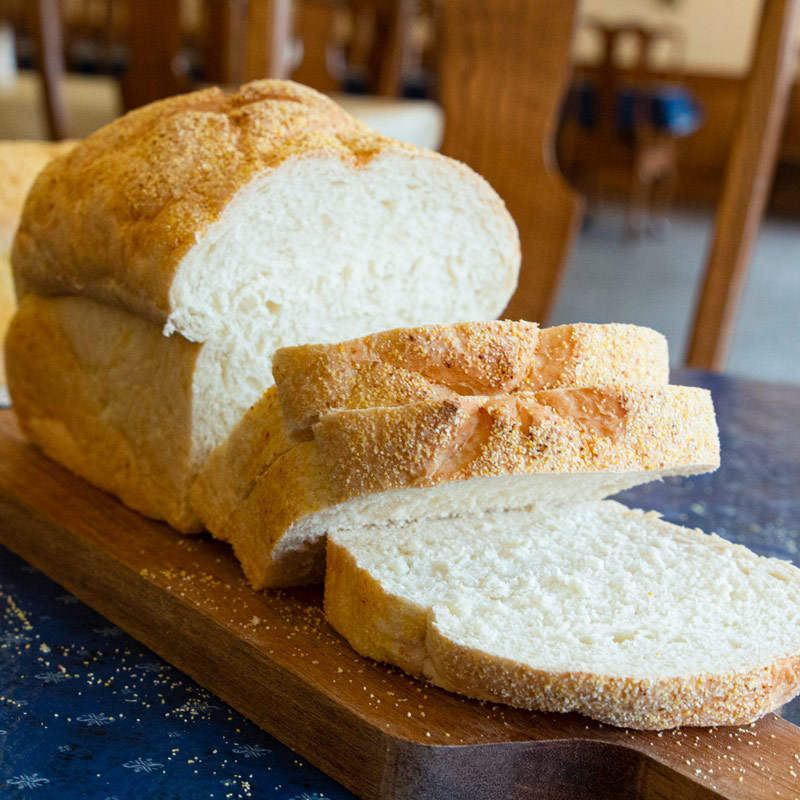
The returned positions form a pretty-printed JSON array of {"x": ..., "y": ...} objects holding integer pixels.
[
  {"x": 50, "y": 42},
  {"x": 268, "y": 34},
  {"x": 154, "y": 43},
  {"x": 747, "y": 181},
  {"x": 638, "y": 210},
  {"x": 503, "y": 71},
  {"x": 225, "y": 57}
]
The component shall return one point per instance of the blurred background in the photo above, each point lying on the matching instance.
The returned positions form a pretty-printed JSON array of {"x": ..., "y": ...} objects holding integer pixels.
[{"x": 642, "y": 122}]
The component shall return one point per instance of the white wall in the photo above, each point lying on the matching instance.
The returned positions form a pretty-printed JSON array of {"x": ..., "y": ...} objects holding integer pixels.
[{"x": 719, "y": 33}]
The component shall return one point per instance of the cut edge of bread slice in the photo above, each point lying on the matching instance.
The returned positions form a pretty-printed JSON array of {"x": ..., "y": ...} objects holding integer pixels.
[{"x": 594, "y": 608}]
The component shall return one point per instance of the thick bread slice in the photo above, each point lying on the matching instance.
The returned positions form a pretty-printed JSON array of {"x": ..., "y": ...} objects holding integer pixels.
[
  {"x": 623, "y": 429},
  {"x": 248, "y": 222},
  {"x": 453, "y": 457},
  {"x": 438, "y": 361},
  {"x": 411, "y": 364},
  {"x": 592, "y": 608}
]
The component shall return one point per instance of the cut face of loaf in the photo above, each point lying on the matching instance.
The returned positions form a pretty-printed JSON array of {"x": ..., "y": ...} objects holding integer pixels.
[
  {"x": 453, "y": 457},
  {"x": 244, "y": 223},
  {"x": 438, "y": 361},
  {"x": 591, "y": 608},
  {"x": 407, "y": 365}
]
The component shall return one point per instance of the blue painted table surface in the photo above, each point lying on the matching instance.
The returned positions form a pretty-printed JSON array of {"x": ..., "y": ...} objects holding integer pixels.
[{"x": 86, "y": 711}]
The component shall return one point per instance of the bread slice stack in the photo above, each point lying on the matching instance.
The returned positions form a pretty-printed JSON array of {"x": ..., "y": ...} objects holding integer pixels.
[
  {"x": 458, "y": 476},
  {"x": 445, "y": 420}
]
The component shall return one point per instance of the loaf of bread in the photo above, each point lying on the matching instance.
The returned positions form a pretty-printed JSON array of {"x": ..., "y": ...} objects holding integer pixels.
[
  {"x": 457, "y": 456},
  {"x": 501, "y": 357},
  {"x": 20, "y": 163},
  {"x": 177, "y": 248},
  {"x": 591, "y": 607}
]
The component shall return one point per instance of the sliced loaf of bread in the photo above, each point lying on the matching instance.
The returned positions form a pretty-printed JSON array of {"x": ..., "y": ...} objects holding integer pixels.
[
  {"x": 590, "y": 607},
  {"x": 458, "y": 456},
  {"x": 403, "y": 366},
  {"x": 212, "y": 229}
]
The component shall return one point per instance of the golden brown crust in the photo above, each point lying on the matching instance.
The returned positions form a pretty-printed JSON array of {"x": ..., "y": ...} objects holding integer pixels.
[
  {"x": 475, "y": 358},
  {"x": 634, "y": 428},
  {"x": 394, "y": 629},
  {"x": 584, "y": 354},
  {"x": 97, "y": 406},
  {"x": 260, "y": 527},
  {"x": 376, "y": 624},
  {"x": 142, "y": 190},
  {"x": 729, "y": 698},
  {"x": 8, "y": 305}
]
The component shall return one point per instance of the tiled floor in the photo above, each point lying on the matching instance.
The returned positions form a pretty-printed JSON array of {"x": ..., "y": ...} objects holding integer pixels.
[{"x": 653, "y": 282}]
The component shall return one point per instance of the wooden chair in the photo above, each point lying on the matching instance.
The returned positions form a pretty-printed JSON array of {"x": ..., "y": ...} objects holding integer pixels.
[
  {"x": 379, "y": 41},
  {"x": 95, "y": 26},
  {"x": 503, "y": 70},
  {"x": 41, "y": 19},
  {"x": 614, "y": 127},
  {"x": 747, "y": 180}
]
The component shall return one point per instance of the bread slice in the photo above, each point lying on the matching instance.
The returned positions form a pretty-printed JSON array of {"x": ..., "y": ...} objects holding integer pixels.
[
  {"x": 238, "y": 224},
  {"x": 438, "y": 361},
  {"x": 407, "y": 365},
  {"x": 592, "y": 608},
  {"x": 461, "y": 456}
]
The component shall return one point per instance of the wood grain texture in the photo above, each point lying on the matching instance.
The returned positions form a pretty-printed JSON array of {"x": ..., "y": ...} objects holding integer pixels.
[
  {"x": 747, "y": 179},
  {"x": 383, "y": 735},
  {"x": 154, "y": 40},
  {"x": 503, "y": 70}
]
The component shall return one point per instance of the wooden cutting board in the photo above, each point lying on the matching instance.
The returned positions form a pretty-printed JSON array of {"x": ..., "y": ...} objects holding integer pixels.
[{"x": 272, "y": 656}]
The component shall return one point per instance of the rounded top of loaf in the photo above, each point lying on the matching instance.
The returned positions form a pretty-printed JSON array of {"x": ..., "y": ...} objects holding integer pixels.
[{"x": 114, "y": 218}]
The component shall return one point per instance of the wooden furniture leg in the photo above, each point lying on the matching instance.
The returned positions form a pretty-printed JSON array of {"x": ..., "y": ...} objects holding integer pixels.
[
  {"x": 313, "y": 25},
  {"x": 504, "y": 66},
  {"x": 401, "y": 14},
  {"x": 225, "y": 55},
  {"x": 50, "y": 42},
  {"x": 747, "y": 180},
  {"x": 155, "y": 40},
  {"x": 268, "y": 35}
]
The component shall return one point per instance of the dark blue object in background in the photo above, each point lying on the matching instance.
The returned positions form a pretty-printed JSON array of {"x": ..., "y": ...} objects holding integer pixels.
[{"x": 667, "y": 108}]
